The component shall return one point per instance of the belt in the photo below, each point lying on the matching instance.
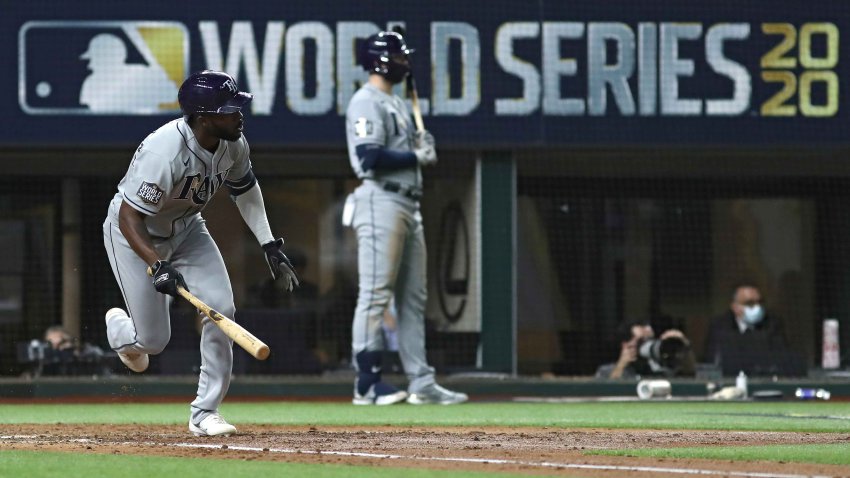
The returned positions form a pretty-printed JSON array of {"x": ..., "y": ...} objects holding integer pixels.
[{"x": 398, "y": 188}]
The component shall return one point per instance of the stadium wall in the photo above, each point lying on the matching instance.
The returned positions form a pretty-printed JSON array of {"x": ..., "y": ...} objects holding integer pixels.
[{"x": 611, "y": 162}]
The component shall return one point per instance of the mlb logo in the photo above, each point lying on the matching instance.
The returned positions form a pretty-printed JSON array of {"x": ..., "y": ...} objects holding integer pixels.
[{"x": 101, "y": 67}]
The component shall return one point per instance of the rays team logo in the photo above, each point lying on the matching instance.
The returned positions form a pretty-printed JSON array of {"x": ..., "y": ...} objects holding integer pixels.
[{"x": 101, "y": 67}]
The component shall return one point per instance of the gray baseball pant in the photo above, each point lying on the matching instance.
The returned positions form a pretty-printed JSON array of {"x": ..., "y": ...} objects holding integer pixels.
[
  {"x": 148, "y": 327},
  {"x": 392, "y": 263}
]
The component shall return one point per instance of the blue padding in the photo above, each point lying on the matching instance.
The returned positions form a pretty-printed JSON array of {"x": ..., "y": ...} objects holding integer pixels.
[
  {"x": 368, "y": 370},
  {"x": 375, "y": 156}
]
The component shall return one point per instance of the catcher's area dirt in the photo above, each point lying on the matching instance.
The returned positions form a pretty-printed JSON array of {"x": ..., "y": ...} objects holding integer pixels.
[{"x": 529, "y": 451}]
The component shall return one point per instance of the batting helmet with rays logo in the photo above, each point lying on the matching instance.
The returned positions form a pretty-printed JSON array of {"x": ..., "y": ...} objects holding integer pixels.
[{"x": 211, "y": 92}]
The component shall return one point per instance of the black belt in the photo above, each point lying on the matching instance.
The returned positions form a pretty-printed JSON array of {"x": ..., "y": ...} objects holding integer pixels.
[{"x": 405, "y": 191}]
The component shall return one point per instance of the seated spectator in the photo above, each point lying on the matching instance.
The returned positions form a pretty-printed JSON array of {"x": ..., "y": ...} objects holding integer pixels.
[
  {"x": 641, "y": 354},
  {"x": 746, "y": 337}
]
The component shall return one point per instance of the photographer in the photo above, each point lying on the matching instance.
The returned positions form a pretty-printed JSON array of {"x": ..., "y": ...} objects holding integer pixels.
[
  {"x": 641, "y": 354},
  {"x": 58, "y": 338},
  {"x": 61, "y": 354}
]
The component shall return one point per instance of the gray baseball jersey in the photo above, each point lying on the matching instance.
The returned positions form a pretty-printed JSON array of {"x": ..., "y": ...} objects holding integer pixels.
[
  {"x": 171, "y": 179},
  {"x": 391, "y": 242},
  {"x": 374, "y": 117}
]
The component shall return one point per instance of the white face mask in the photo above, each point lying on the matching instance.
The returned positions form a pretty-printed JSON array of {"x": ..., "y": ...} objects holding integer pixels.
[{"x": 753, "y": 314}]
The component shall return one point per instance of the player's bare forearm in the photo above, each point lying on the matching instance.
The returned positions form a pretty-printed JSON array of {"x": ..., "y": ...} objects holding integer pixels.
[{"x": 132, "y": 225}]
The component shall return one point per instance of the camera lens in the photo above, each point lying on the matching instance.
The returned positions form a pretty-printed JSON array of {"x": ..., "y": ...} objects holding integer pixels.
[
  {"x": 648, "y": 349},
  {"x": 670, "y": 351},
  {"x": 667, "y": 353}
]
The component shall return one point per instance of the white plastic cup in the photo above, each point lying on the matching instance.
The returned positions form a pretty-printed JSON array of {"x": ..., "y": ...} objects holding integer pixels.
[
  {"x": 647, "y": 389},
  {"x": 831, "y": 355}
]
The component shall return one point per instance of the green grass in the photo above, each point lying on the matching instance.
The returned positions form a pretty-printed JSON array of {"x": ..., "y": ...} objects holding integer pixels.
[
  {"x": 827, "y": 454},
  {"x": 773, "y": 416},
  {"x": 47, "y": 464}
]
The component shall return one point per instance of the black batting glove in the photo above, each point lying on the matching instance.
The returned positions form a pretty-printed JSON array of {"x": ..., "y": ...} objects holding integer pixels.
[
  {"x": 279, "y": 264},
  {"x": 166, "y": 278}
]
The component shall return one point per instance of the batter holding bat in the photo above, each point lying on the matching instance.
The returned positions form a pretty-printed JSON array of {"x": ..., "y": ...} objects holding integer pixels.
[
  {"x": 387, "y": 152},
  {"x": 154, "y": 222}
]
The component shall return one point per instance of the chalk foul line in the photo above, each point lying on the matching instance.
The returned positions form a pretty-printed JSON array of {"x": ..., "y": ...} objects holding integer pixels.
[{"x": 387, "y": 456}]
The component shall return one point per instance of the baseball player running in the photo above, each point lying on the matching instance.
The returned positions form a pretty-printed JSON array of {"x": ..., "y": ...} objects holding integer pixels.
[
  {"x": 386, "y": 153},
  {"x": 154, "y": 221}
]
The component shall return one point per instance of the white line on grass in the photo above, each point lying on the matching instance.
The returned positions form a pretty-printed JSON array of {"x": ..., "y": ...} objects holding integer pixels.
[{"x": 542, "y": 464}]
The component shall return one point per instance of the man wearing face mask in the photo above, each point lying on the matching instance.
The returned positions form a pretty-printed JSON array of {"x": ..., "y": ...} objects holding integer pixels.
[
  {"x": 745, "y": 335},
  {"x": 387, "y": 153}
]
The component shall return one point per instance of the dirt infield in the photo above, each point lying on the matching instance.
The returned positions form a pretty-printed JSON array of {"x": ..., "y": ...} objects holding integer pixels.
[{"x": 530, "y": 451}]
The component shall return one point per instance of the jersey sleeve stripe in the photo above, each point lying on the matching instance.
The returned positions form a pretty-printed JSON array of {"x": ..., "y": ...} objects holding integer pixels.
[
  {"x": 242, "y": 185},
  {"x": 138, "y": 207}
]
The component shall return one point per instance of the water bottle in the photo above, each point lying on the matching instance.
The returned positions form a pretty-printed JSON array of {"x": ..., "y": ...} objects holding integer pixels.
[
  {"x": 812, "y": 393},
  {"x": 741, "y": 382},
  {"x": 831, "y": 356}
]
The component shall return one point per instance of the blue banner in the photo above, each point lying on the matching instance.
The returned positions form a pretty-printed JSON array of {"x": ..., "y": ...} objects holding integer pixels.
[{"x": 490, "y": 74}]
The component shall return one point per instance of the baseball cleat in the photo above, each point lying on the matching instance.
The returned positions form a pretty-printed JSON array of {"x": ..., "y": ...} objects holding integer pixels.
[
  {"x": 135, "y": 362},
  {"x": 212, "y": 426},
  {"x": 380, "y": 394},
  {"x": 436, "y": 394}
]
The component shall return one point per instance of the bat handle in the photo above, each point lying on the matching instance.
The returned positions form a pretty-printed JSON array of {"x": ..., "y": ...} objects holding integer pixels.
[
  {"x": 180, "y": 290},
  {"x": 238, "y": 334}
]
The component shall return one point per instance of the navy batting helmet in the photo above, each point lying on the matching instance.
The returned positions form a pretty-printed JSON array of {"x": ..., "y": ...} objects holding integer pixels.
[
  {"x": 211, "y": 92},
  {"x": 385, "y": 53}
]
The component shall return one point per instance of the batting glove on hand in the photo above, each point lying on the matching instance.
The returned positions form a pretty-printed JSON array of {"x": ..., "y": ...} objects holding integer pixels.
[
  {"x": 425, "y": 156},
  {"x": 166, "y": 278},
  {"x": 425, "y": 151},
  {"x": 279, "y": 264},
  {"x": 425, "y": 138}
]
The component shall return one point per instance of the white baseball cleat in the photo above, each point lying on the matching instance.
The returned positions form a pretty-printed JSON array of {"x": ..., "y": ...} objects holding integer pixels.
[
  {"x": 135, "y": 362},
  {"x": 436, "y": 394},
  {"x": 212, "y": 426},
  {"x": 379, "y": 394}
]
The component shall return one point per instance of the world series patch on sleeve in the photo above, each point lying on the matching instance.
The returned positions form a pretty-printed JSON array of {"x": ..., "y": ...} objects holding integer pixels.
[{"x": 150, "y": 193}]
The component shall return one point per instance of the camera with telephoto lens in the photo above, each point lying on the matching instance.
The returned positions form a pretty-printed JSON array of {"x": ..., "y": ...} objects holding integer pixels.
[
  {"x": 668, "y": 352},
  {"x": 42, "y": 359},
  {"x": 37, "y": 351}
]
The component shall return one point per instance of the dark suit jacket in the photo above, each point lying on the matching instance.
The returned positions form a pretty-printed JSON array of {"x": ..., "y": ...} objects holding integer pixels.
[{"x": 761, "y": 349}]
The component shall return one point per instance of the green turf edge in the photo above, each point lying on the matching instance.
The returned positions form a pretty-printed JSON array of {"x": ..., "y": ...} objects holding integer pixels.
[
  {"x": 786, "y": 416},
  {"x": 38, "y": 464},
  {"x": 825, "y": 454}
]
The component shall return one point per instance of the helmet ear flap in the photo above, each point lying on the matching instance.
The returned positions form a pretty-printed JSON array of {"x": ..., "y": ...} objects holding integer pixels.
[
  {"x": 374, "y": 64},
  {"x": 380, "y": 67}
]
